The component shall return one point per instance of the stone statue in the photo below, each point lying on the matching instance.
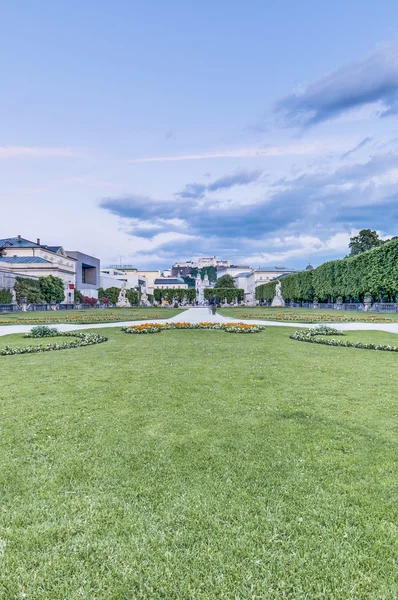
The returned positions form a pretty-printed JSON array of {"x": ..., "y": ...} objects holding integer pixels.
[
  {"x": 144, "y": 299},
  {"x": 122, "y": 301},
  {"x": 278, "y": 300}
]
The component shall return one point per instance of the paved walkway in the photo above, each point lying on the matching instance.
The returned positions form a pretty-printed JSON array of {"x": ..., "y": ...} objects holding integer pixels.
[{"x": 196, "y": 315}]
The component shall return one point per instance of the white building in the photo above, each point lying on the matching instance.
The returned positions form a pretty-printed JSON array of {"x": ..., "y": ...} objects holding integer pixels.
[
  {"x": 113, "y": 277},
  {"x": 263, "y": 275},
  {"x": 165, "y": 283},
  {"x": 233, "y": 270},
  {"x": 34, "y": 259}
]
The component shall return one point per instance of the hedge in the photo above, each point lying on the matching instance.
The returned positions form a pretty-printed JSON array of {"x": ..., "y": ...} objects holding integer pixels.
[
  {"x": 222, "y": 294},
  {"x": 177, "y": 294},
  {"x": 374, "y": 272}
]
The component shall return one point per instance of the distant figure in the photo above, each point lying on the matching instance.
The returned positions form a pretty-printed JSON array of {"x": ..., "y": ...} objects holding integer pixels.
[{"x": 213, "y": 305}]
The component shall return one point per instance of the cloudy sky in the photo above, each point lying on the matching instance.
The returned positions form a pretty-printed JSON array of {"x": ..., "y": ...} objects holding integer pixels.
[{"x": 153, "y": 131}]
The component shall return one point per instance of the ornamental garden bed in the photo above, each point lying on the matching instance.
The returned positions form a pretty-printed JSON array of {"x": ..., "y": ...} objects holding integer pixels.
[
  {"x": 227, "y": 327},
  {"x": 314, "y": 318},
  {"x": 322, "y": 335},
  {"x": 80, "y": 340}
]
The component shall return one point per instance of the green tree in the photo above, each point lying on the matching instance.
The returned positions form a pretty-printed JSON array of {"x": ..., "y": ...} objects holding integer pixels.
[
  {"x": 78, "y": 296},
  {"x": 226, "y": 281},
  {"x": 112, "y": 293},
  {"x": 25, "y": 287},
  {"x": 133, "y": 296},
  {"x": 365, "y": 240},
  {"x": 52, "y": 289}
]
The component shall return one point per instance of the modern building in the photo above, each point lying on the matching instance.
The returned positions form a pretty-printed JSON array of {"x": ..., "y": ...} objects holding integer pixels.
[
  {"x": 87, "y": 279},
  {"x": 33, "y": 259},
  {"x": 137, "y": 278},
  {"x": 110, "y": 277}
]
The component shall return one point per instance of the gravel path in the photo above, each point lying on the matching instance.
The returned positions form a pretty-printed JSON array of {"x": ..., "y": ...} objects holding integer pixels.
[{"x": 196, "y": 315}]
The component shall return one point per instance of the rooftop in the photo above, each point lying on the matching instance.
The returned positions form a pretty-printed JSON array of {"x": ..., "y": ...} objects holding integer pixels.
[
  {"x": 169, "y": 280},
  {"x": 23, "y": 259}
]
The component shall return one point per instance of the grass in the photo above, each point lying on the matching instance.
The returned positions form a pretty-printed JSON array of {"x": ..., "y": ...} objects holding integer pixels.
[
  {"x": 199, "y": 465},
  {"x": 91, "y": 315},
  {"x": 306, "y": 315}
]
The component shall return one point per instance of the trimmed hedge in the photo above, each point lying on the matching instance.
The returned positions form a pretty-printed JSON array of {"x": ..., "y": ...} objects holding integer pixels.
[
  {"x": 174, "y": 294},
  {"x": 230, "y": 294},
  {"x": 374, "y": 272}
]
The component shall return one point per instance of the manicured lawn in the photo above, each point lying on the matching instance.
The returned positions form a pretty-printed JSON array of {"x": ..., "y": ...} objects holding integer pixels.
[
  {"x": 199, "y": 465},
  {"x": 91, "y": 315},
  {"x": 305, "y": 315}
]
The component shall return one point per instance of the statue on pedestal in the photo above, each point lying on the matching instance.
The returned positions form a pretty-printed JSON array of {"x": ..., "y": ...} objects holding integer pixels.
[
  {"x": 122, "y": 301},
  {"x": 144, "y": 299},
  {"x": 278, "y": 300}
]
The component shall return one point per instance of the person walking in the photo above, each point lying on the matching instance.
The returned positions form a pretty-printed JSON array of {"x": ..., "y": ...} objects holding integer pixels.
[{"x": 213, "y": 305}]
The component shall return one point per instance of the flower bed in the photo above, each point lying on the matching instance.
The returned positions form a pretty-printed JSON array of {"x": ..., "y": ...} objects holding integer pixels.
[
  {"x": 228, "y": 327},
  {"x": 83, "y": 339},
  {"x": 60, "y": 317},
  {"x": 314, "y": 337},
  {"x": 316, "y": 318}
]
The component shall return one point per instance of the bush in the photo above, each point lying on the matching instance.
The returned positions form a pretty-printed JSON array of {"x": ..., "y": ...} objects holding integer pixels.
[
  {"x": 52, "y": 289},
  {"x": 5, "y": 297},
  {"x": 41, "y": 331},
  {"x": 90, "y": 301}
]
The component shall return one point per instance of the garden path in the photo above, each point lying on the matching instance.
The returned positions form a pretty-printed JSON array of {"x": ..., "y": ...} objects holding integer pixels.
[{"x": 196, "y": 315}]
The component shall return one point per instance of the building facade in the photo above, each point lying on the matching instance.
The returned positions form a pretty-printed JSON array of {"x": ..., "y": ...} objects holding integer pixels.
[
  {"x": 87, "y": 274},
  {"x": 33, "y": 259},
  {"x": 165, "y": 283}
]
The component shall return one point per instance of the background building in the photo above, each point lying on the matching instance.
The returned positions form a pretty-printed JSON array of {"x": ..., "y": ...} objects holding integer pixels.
[
  {"x": 87, "y": 279},
  {"x": 33, "y": 259},
  {"x": 164, "y": 283}
]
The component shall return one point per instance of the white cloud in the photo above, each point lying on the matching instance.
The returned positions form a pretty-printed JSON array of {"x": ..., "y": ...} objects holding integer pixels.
[{"x": 37, "y": 152}]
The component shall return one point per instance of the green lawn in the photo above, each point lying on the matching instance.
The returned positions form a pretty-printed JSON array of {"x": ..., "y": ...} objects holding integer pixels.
[
  {"x": 199, "y": 465},
  {"x": 91, "y": 315},
  {"x": 305, "y": 315}
]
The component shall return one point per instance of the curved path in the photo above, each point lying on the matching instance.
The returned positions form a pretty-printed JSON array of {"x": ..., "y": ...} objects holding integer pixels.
[{"x": 196, "y": 315}]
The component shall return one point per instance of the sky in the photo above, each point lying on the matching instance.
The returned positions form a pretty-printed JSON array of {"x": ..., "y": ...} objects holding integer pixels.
[{"x": 150, "y": 132}]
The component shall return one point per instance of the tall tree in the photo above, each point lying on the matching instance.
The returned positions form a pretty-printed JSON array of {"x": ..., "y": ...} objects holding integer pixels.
[
  {"x": 365, "y": 240},
  {"x": 52, "y": 288},
  {"x": 226, "y": 281}
]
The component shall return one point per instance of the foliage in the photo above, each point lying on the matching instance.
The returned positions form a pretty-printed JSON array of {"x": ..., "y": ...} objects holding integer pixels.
[
  {"x": 226, "y": 281},
  {"x": 83, "y": 339},
  {"x": 133, "y": 296},
  {"x": 90, "y": 301},
  {"x": 112, "y": 293},
  {"x": 41, "y": 331},
  {"x": 5, "y": 296},
  {"x": 374, "y": 271},
  {"x": 78, "y": 296},
  {"x": 25, "y": 287},
  {"x": 365, "y": 240},
  {"x": 312, "y": 336},
  {"x": 172, "y": 294},
  {"x": 222, "y": 294},
  {"x": 52, "y": 289}
]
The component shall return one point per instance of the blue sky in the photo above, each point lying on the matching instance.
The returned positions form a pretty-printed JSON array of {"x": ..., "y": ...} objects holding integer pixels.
[{"x": 263, "y": 132}]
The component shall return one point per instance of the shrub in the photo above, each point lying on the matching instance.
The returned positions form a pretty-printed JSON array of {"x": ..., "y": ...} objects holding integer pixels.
[
  {"x": 313, "y": 336},
  {"x": 5, "y": 297},
  {"x": 90, "y": 301},
  {"x": 41, "y": 331}
]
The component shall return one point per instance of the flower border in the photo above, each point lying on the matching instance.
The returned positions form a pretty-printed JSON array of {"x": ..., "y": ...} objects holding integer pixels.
[
  {"x": 312, "y": 336},
  {"x": 232, "y": 327},
  {"x": 84, "y": 339}
]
